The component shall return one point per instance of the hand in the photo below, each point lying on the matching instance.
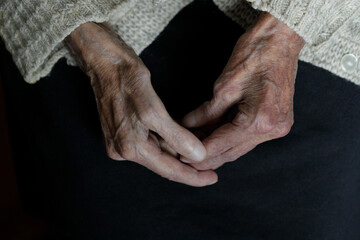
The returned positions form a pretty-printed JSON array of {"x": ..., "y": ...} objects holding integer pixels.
[
  {"x": 258, "y": 82},
  {"x": 135, "y": 123}
]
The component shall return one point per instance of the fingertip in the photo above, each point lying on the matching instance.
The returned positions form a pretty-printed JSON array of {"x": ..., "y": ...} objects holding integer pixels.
[
  {"x": 185, "y": 160},
  {"x": 209, "y": 177},
  {"x": 189, "y": 120}
]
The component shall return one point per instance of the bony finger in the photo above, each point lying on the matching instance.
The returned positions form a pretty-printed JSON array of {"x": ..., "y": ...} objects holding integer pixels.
[
  {"x": 182, "y": 140},
  {"x": 211, "y": 163},
  {"x": 160, "y": 143},
  {"x": 171, "y": 168},
  {"x": 185, "y": 160},
  {"x": 207, "y": 113},
  {"x": 229, "y": 156},
  {"x": 229, "y": 136},
  {"x": 156, "y": 118},
  {"x": 208, "y": 164},
  {"x": 165, "y": 147}
]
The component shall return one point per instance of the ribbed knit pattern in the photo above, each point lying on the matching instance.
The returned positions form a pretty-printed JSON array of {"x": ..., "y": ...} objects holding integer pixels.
[
  {"x": 331, "y": 29},
  {"x": 33, "y": 30}
]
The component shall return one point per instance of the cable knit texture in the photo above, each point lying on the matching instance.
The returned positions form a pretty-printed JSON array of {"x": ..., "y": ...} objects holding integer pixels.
[{"x": 34, "y": 30}]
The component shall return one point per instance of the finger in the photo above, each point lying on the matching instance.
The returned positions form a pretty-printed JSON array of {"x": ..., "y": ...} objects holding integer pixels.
[
  {"x": 171, "y": 168},
  {"x": 165, "y": 147},
  {"x": 228, "y": 156},
  {"x": 158, "y": 141},
  {"x": 222, "y": 139},
  {"x": 181, "y": 140},
  {"x": 244, "y": 130},
  {"x": 207, "y": 113},
  {"x": 232, "y": 141}
]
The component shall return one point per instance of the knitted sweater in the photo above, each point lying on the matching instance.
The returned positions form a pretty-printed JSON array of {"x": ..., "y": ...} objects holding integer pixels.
[{"x": 34, "y": 30}]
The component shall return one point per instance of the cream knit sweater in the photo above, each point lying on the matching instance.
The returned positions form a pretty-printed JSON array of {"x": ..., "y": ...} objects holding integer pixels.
[{"x": 33, "y": 30}]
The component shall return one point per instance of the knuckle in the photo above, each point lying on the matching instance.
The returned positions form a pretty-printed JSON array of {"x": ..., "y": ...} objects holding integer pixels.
[
  {"x": 274, "y": 124},
  {"x": 110, "y": 150},
  {"x": 143, "y": 73},
  {"x": 218, "y": 90},
  {"x": 208, "y": 105},
  {"x": 284, "y": 128},
  {"x": 227, "y": 94},
  {"x": 126, "y": 150},
  {"x": 112, "y": 154},
  {"x": 266, "y": 123},
  {"x": 147, "y": 114},
  {"x": 229, "y": 88},
  {"x": 242, "y": 119}
]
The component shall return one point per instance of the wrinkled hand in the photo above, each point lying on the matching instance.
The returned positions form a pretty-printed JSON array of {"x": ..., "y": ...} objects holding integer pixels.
[
  {"x": 259, "y": 82},
  {"x": 136, "y": 125}
]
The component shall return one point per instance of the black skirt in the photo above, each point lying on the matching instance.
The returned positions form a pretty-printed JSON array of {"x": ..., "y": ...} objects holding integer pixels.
[{"x": 303, "y": 186}]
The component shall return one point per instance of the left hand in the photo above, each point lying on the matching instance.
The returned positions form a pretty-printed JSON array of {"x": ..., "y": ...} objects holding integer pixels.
[{"x": 259, "y": 81}]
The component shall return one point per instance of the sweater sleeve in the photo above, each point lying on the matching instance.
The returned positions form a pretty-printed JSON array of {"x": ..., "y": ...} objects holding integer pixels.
[
  {"x": 33, "y": 30},
  {"x": 314, "y": 20},
  {"x": 331, "y": 29}
]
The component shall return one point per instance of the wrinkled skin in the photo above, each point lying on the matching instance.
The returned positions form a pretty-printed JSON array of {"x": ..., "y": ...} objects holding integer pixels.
[
  {"x": 258, "y": 81},
  {"x": 135, "y": 123}
]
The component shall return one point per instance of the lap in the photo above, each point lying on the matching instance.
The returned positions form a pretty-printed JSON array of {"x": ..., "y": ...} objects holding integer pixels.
[{"x": 303, "y": 186}]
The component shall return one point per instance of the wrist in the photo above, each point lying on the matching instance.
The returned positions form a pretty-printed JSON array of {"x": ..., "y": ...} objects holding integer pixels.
[
  {"x": 78, "y": 44},
  {"x": 269, "y": 26},
  {"x": 95, "y": 45}
]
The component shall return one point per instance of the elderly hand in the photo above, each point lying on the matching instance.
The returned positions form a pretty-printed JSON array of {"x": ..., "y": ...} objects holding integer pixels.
[
  {"x": 259, "y": 82},
  {"x": 136, "y": 125}
]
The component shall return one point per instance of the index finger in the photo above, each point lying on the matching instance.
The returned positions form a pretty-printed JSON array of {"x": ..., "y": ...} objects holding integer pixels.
[
  {"x": 224, "y": 138},
  {"x": 171, "y": 168},
  {"x": 157, "y": 119}
]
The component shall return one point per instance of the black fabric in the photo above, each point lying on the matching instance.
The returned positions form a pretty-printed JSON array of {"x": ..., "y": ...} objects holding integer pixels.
[{"x": 303, "y": 186}]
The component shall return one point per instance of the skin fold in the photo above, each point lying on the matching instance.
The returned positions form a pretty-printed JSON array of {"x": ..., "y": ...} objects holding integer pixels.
[{"x": 258, "y": 82}]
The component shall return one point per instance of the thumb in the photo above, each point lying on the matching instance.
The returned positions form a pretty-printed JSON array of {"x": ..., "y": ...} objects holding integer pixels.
[{"x": 178, "y": 138}]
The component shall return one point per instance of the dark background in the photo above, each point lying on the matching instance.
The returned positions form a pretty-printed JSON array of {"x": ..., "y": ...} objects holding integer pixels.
[{"x": 302, "y": 186}]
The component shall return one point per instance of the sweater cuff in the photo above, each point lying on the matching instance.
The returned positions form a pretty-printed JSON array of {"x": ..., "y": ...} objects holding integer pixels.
[
  {"x": 314, "y": 20},
  {"x": 331, "y": 30},
  {"x": 33, "y": 31}
]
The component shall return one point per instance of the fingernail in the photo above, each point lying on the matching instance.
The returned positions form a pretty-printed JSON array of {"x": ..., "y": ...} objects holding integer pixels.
[
  {"x": 199, "y": 153},
  {"x": 183, "y": 159},
  {"x": 189, "y": 120}
]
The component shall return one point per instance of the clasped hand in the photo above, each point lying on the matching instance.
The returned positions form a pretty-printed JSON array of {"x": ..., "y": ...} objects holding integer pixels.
[{"x": 258, "y": 81}]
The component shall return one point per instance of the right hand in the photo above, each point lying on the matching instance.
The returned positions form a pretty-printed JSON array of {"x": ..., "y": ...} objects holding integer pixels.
[{"x": 135, "y": 123}]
